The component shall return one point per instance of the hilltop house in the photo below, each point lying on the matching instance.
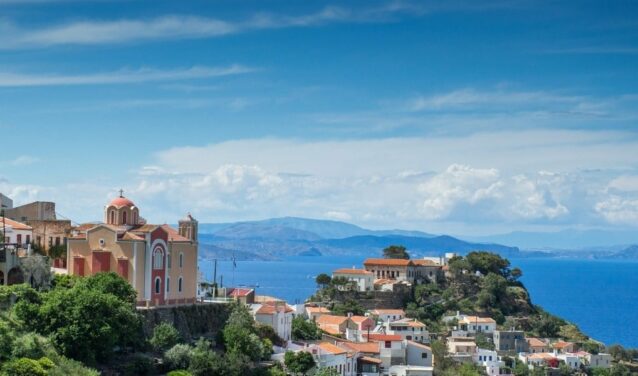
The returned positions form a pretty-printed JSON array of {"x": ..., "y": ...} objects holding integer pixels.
[
  {"x": 385, "y": 315},
  {"x": 275, "y": 315},
  {"x": 361, "y": 280},
  {"x": 16, "y": 240},
  {"x": 314, "y": 312},
  {"x": 408, "y": 329},
  {"x": 157, "y": 260}
]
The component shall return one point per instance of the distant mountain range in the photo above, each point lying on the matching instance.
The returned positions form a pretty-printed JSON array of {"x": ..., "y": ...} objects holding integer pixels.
[
  {"x": 280, "y": 237},
  {"x": 290, "y": 236}
]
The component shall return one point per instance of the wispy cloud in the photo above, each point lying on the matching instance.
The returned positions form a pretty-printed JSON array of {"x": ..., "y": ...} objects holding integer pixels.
[
  {"x": 171, "y": 27},
  {"x": 123, "y": 76}
]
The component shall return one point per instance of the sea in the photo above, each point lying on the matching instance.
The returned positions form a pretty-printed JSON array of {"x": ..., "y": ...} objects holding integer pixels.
[{"x": 601, "y": 297}]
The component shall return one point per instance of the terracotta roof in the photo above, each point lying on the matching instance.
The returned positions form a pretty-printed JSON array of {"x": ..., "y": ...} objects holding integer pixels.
[
  {"x": 387, "y": 262},
  {"x": 330, "y": 348},
  {"x": 359, "y": 319},
  {"x": 384, "y": 311},
  {"x": 271, "y": 309},
  {"x": 237, "y": 292},
  {"x": 173, "y": 235},
  {"x": 367, "y": 359},
  {"x": 120, "y": 202},
  {"x": 331, "y": 319},
  {"x": 419, "y": 345},
  {"x": 384, "y": 281},
  {"x": 535, "y": 342},
  {"x": 422, "y": 262},
  {"x": 329, "y": 329},
  {"x": 266, "y": 299},
  {"x": 383, "y": 337},
  {"x": 14, "y": 224},
  {"x": 85, "y": 226},
  {"x": 476, "y": 319},
  {"x": 541, "y": 356},
  {"x": 131, "y": 236},
  {"x": 561, "y": 344},
  {"x": 143, "y": 228},
  {"x": 318, "y": 310},
  {"x": 352, "y": 271},
  {"x": 413, "y": 323},
  {"x": 362, "y": 347}
]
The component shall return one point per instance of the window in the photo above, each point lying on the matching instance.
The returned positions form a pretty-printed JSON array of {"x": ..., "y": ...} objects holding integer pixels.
[
  {"x": 57, "y": 240},
  {"x": 28, "y": 239},
  {"x": 424, "y": 355},
  {"x": 112, "y": 217},
  {"x": 388, "y": 344},
  {"x": 168, "y": 284},
  {"x": 168, "y": 260},
  {"x": 124, "y": 217},
  {"x": 179, "y": 284},
  {"x": 158, "y": 285},
  {"x": 19, "y": 238},
  {"x": 181, "y": 259},
  {"x": 158, "y": 258}
]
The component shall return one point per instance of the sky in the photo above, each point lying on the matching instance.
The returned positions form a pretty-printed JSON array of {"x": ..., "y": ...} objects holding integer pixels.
[{"x": 457, "y": 117}]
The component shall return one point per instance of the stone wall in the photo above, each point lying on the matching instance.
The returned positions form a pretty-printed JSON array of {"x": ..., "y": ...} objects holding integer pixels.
[
  {"x": 377, "y": 299},
  {"x": 192, "y": 321}
]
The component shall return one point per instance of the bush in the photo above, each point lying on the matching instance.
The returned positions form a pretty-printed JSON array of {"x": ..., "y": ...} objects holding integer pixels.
[
  {"x": 30, "y": 345},
  {"x": 139, "y": 365},
  {"x": 164, "y": 337},
  {"x": 178, "y": 357},
  {"x": 23, "y": 367},
  {"x": 179, "y": 373},
  {"x": 205, "y": 362},
  {"x": 65, "y": 367}
]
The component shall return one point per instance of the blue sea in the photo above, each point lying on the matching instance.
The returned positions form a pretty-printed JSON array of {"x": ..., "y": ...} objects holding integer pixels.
[{"x": 601, "y": 297}]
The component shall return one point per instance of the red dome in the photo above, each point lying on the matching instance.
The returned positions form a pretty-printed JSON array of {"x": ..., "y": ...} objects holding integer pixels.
[{"x": 120, "y": 202}]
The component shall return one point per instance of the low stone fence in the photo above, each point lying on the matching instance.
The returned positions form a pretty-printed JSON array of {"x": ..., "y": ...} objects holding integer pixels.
[{"x": 192, "y": 320}]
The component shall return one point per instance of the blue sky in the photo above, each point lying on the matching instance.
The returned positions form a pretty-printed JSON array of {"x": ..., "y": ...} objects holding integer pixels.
[{"x": 445, "y": 116}]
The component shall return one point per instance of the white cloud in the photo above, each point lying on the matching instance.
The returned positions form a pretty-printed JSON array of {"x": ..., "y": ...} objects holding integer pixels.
[
  {"x": 23, "y": 160},
  {"x": 123, "y": 76},
  {"x": 619, "y": 210}
]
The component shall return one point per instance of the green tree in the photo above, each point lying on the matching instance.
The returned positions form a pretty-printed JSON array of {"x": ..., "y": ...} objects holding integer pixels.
[
  {"x": 164, "y": 337},
  {"x": 205, "y": 362},
  {"x": 303, "y": 329},
  {"x": 349, "y": 306},
  {"x": 439, "y": 353},
  {"x": 299, "y": 363},
  {"x": 487, "y": 262},
  {"x": 110, "y": 283},
  {"x": 23, "y": 367},
  {"x": 396, "y": 252},
  {"x": 84, "y": 324},
  {"x": 240, "y": 335},
  {"x": 323, "y": 280},
  {"x": 178, "y": 356},
  {"x": 325, "y": 371}
]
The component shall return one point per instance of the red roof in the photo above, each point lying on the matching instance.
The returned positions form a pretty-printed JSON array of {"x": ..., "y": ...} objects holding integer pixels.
[
  {"x": 271, "y": 309},
  {"x": 119, "y": 202},
  {"x": 14, "y": 224},
  {"x": 387, "y": 262},
  {"x": 352, "y": 271},
  {"x": 173, "y": 235},
  {"x": 240, "y": 292},
  {"x": 384, "y": 337}
]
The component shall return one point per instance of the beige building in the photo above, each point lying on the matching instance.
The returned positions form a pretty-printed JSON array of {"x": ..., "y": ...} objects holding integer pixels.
[
  {"x": 402, "y": 270},
  {"x": 362, "y": 280},
  {"x": 159, "y": 261}
]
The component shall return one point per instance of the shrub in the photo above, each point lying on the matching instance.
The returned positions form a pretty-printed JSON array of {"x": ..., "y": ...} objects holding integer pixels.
[
  {"x": 30, "y": 345},
  {"x": 164, "y": 337},
  {"x": 139, "y": 365},
  {"x": 179, "y": 373},
  {"x": 23, "y": 367},
  {"x": 65, "y": 367},
  {"x": 178, "y": 357},
  {"x": 46, "y": 363}
]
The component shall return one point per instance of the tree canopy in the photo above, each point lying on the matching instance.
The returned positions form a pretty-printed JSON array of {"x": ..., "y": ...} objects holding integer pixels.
[{"x": 396, "y": 252}]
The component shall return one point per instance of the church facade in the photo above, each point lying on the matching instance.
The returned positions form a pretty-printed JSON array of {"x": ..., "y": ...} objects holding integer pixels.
[{"x": 159, "y": 261}]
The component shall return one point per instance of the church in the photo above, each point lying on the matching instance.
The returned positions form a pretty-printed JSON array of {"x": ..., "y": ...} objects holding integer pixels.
[{"x": 157, "y": 260}]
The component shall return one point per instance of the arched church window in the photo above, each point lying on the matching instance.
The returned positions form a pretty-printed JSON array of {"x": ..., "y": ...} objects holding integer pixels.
[
  {"x": 158, "y": 285},
  {"x": 179, "y": 284},
  {"x": 158, "y": 258},
  {"x": 124, "y": 217},
  {"x": 168, "y": 284},
  {"x": 181, "y": 259},
  {"x": 112, "y": 217}
]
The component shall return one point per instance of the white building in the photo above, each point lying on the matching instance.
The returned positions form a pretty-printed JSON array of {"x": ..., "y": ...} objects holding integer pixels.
[
  {"x": 411, "y": 371},
  {"x": 461, "y": 349},
  {"x": 490, "y": 360},
  {"x": 473, "y": 324},
  {"x": 572, "y": 360},
  {"x": 16, "y": 232},
  {"x": 328, "y": 355},
  {"x": 386, "y": 315},
  {"x": 418, "y": 354},
  {"x": 276, "y": 315},
  {"x": 391, "y": 350},
  {"x": 600, "y": 360},
  {"x": 408, "y": 329},
  {"x": 362, "y": 280}
]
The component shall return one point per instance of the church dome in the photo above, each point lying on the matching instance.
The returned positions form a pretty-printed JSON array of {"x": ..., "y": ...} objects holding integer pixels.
[{"x": 121, "y": 201}]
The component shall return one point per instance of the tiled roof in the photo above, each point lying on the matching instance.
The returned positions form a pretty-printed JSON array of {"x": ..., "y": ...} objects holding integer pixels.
[
  {"x": 362, "y": 347},
  {"x": 385, "y": 281},
  {"x": 476, "y": 319},
  {"x": 419, "y": 345},
  {"x": 422, "y": 262},
  {"x": 330, "y": 348},
  {"x": 318, "y": 310},
  {"x": 240, "y": 292},
  {"x": 352, "y": 271},
  {"x": 14, "y": 224},
  {"x": 383, "y": 337},
  {"x": 329, "y": 329},
  {"x": 535, "y": 342},
  {"x": 270, "y": 309},
  {"x": 173, "y": 235},
  {"x": 388, "y": 311},
  {"x": 561, "y": 344},
  {"x": 331, "y": 319},
  {"x": 367, "y": 359},
  {"x": 131, "y": 236},
  {"x": 541, "y": 356},
  {"x": 413, "y": 323},
  {"x": 387, "y": 262},
  {"x": 359, "y": 319}
]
